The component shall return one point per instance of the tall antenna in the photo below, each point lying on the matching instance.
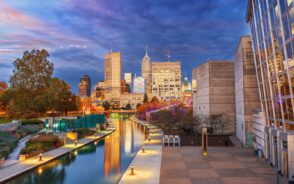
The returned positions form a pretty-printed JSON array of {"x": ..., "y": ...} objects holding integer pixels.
[{"x": 168, "y": 55}]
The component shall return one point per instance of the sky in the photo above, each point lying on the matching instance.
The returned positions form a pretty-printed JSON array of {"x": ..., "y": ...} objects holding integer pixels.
[{"x": 78, "y": 33}]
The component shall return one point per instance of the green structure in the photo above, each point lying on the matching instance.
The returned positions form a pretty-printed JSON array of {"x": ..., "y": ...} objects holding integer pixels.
[{"x": 64, "y": 125}]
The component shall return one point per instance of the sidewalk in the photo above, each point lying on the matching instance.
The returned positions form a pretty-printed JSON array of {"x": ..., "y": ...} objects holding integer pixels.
[
  {"x": 146, "y": 165},
  {"x": 20, "y": 167}
]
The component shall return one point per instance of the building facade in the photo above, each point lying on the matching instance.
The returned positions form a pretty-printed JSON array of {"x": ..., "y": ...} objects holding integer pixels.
[
  {"x": 272, "y": 29},
  {"x": 147, "y": 73},
  {"x": 84, "y": 88},
  {"x": 246, "y": 90},
  {"x": 139, "y": 85},
  {"x": 215, "y": 91},
  {"x": 112, "y": 75},
  {"x": 131, "y": 98},
  {"x": 129, "y": 77},
  {"x": 167, "y": 80},
  {"x": 125, "y": 87}
]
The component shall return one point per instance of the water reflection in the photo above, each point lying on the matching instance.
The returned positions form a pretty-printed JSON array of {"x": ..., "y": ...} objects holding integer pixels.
[{"x": 100, "y": 162}]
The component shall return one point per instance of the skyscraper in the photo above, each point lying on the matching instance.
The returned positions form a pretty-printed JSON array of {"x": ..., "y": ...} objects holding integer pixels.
[
  {"x": 147, "y": 73},
  {"x": 166, "y": 80},
  {"x": 84, "y": 89},
  {"x": 112, "y": 75},
  {"x": 128, "y": 77},
  {"x": 272, "y": 29},
  {"x": 139, "y": 85}
]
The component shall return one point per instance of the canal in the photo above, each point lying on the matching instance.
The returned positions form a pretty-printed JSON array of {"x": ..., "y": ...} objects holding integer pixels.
[{"x": 103, "y": 161}]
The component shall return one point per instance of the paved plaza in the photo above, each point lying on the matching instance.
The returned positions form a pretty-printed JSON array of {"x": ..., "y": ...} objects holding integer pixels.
[{"x": 224, "y": 165}]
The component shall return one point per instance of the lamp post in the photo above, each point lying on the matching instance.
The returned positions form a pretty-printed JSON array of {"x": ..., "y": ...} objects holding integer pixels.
[
  {"x": 76, "y": 142},
  {"x": 40, "y": 157},
  {"x": 132, "y": 170},
  {"x": 149, "y": 138},
  {"x": 143, "y": 149}
]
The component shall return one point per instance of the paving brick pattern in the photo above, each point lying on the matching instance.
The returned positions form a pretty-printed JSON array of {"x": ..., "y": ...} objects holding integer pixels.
[
  {"x": 146, "y": 165},
  {"x": 234, "y": 165}
]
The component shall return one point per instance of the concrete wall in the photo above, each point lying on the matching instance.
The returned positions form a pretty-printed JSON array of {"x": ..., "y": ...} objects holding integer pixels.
[
  {"x": 246, "y": 89},
  {"x": 215, "y": 91}
]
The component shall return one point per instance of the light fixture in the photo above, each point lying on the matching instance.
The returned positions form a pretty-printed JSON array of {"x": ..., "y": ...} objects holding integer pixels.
[
  {"x": 76, "y": 142},
  {"x": 40, "y": 157},
  {"x": 76, "y": 152},
  {"x": 143, "y": 149},
  {"x": 132, "y": 170},
  {"x": 149, "y": 139},
  {"x": 40, "y": 170}
]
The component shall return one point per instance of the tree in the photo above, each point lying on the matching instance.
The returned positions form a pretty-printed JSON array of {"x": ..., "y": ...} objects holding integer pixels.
[
  {"x": 128, "y": 107},
  {"x": 30, "y": 79},
  {"x": 154, "y": 99},
  {"x": 138, "y": 105},
  {"x": 60, "y": 97},
  {"x": 145, "y": 100},
  {"x": 106, "y": 105}
]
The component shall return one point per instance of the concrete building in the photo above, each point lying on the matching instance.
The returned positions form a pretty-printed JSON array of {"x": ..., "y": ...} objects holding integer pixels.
[
  {"x": 84, "y": 89},
  {"x": 139, "y": 85},
  {"x": 246, "y": 90},
  {"x": 129, "y": 77},
  {"x": 112, "y": 75},
  {"x": 167, "y": 80},
  {"x": 215, "y": 93},
  {"x": 131, "y": 98},
  {"x": 147, "y": 73},
  {"x": 125, "y": 87},
  {"x": 271, "y": 25}
]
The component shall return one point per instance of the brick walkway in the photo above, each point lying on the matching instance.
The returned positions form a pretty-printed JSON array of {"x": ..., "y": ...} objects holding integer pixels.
[
  {"x": 186, "y": 165},
  {"x": 28, "y": 164},
  {"x": 146, "y": 165}
]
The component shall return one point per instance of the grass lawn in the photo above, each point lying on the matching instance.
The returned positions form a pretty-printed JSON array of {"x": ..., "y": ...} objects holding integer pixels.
[{"x": 4, "y": 120}]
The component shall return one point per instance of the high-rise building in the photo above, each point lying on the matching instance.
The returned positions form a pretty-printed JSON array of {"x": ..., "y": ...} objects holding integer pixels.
[
  {"x": 166, "y": 80},
  {"x": 246, "y": 90},
  {"x": 272, "y": 29},
  {"x": 112, "y": 75},
  {"x": 147, "y": 73},
  {"x": 125, "y": 87},
  {"x": 84, "y": 89},
  {"x": 215, "y": 93},
  {"x": 139, "y": 85},
  {"x": 128, "y": 77}
]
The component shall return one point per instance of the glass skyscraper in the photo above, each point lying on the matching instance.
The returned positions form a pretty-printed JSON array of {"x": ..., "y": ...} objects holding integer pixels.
[{"x": 272, "y": 29}]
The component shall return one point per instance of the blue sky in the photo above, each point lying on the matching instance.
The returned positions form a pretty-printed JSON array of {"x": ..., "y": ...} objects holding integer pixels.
[{"x": 77, "y": 33}]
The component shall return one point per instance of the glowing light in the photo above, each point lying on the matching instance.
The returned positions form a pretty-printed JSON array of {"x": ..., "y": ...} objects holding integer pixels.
[
  {"x": 40, "y": 157},
  {"x": 76, "y": 152},
  {"x": 132, "y": 170},
  {"x": 40, "y": 170}
]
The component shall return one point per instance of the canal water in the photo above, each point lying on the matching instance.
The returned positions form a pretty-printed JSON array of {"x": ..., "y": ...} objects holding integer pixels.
[{"x": 100, "y": 162}]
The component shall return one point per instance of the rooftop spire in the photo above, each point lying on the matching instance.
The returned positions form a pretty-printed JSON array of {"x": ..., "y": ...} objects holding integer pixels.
[{"x": 146, "y": 51}]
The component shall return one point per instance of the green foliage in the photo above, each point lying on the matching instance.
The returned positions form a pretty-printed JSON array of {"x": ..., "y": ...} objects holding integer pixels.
[
  {"x": 41, "y": 143},
  {"x": 128, "y": 107},
  {"x": 7, "y": 143},
  {"x": 84, "y": 132},
  {"x": 106, "y": 105},
  {"x": 31, "y": 122},
  {"x": 145, "y": 100}
]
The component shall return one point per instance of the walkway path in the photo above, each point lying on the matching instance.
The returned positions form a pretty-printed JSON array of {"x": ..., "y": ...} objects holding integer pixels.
[
  {"x": 223, "y": 165},
  {"x": 147, "y": 164},
  {"x": 13, "y": 157},
  {"x": 31, "y": 163}
]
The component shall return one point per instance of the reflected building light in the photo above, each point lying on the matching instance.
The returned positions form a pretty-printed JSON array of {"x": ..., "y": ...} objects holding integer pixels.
[{"x": 128, "y": 139}]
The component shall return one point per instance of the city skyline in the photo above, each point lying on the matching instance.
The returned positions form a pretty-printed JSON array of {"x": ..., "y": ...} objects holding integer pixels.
[{"x": 77, "y": 35}]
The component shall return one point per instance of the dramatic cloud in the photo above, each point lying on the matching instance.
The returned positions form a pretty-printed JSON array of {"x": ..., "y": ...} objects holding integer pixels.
[{"x": 78, "y": 33}]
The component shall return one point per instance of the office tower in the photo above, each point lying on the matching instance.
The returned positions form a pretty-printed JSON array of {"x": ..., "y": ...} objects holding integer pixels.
[
  {"x": 125, "y": 87},
  {"x": 215, "y": 91},
  {"x": 246, "y": 90},
  {"x": 147, "y": 73},
  {"x": 112, "y": 75},
  {"x": 272, "y": 30},
  {"x": 166, "y": 80},
  {"x": 84, "y": 88},
  {"x": 128, "y": 77},
  {"x": 139, "y": 85}
]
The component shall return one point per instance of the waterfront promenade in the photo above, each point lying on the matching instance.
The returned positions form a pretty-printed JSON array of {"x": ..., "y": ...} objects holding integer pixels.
[
  {"x": 146, "y": 164},
  {"x": 22, "y": 166}
]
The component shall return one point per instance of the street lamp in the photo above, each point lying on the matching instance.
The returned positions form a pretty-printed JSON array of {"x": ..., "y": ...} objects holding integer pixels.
[
  {"x": 143, "y": 149},
  {"x": 149, "y": 138},
  {"x": 132, "y": 170},
  {"x": 40, "y": 157},
  {"x": 76, "y": 142}
]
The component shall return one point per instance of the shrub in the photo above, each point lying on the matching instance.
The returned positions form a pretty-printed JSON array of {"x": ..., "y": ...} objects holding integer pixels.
[
  {"x": 41, "y": 143},
  {"x": 25, "y": 130},
  {"x": 84, "y": 132},
  {"x": 7, "y": 143},
  {"x": 31, "y": 122}
]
